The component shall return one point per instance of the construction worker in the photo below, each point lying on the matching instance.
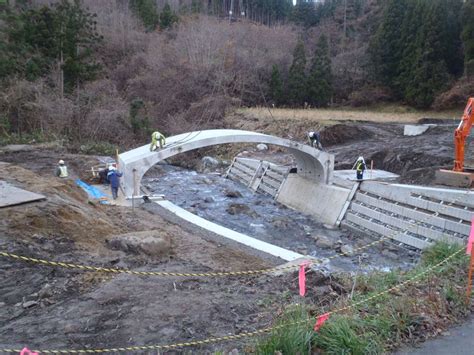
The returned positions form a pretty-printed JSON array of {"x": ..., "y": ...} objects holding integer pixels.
[
  {"x": 360, "y": 168},
  {"x": 157, "y": 138},
  {"x": 315, "y": 140},
  {"x": 114, "y": 178},
  {"x": 61, "y": 170}
]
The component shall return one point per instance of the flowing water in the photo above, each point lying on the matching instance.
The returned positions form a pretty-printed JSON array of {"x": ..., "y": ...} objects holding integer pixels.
[{"x": 233, "y": 205}]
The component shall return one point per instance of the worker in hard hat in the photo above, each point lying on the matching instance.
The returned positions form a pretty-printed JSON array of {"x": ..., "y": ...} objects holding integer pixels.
[
  {"x": 157, "y": 138},
  {"x": 114, "y": 178},
  {"x": 315, "y": 140},
  {"x": 360, "y": 168},
  {"x": 61, "y": 170}
]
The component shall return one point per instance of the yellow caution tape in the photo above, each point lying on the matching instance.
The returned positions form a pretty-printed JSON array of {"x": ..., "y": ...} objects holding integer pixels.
[
  {"x": 173, "y": 274},
  {"x": 240, "y": 335},
  {"x": 206, "y": 274}
]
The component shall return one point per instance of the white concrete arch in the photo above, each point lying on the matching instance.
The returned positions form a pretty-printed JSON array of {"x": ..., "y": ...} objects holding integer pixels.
[{"x": 312, "y": 163}]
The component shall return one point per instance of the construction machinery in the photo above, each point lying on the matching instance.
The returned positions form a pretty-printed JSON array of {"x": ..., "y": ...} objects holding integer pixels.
[{"x": 460, "y": 176}]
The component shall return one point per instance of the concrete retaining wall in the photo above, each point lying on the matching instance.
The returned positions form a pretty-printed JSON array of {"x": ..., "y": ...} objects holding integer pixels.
[
  {"x": 412, "y": 215},
  {"x": 324, "y": 202},
  {"x": 259, "y": 175}
]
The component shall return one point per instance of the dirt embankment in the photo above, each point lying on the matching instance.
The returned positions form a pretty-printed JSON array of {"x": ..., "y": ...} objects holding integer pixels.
[{"x": 46, "y": 308}]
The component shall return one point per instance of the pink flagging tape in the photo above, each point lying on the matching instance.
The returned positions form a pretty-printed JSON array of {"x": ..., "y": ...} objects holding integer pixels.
[
  {"x": 27, "y": 351},
  {"x": 320, "y": 321},
  {"x": 302, "y": 278},
  {"x": 470, "y": 241}
]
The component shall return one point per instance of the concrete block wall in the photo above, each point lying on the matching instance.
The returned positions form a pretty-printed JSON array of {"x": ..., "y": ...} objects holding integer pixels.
[
  {"x": 412, "y": 215},
  {"x": 259, "y": 175}
]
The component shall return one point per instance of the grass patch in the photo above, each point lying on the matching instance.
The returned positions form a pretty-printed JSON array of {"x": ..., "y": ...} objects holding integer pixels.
[
  {"x": 293, "y": 334},
  {"x": 98, "y": 148},
  {"x": 330, "y": 116},
  {"x": 418, "y": 310}
]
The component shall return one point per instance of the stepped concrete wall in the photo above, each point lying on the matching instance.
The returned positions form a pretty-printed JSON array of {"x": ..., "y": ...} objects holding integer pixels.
[{"x": 413, "y": 215}]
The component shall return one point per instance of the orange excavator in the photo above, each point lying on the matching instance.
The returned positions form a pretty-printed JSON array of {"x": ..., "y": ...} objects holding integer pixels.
[{"x": 458, "y": 176}]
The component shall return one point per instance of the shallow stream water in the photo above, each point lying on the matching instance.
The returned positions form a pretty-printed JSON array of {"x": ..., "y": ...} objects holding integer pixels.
[{"x": 209, "y": 195}]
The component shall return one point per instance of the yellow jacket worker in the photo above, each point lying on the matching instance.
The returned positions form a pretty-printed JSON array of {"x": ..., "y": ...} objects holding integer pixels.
[{"x": 157, "y": 138}]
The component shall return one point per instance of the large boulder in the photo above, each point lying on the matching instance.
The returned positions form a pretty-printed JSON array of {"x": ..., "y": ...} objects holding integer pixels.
[
  {"x": 209, "y": 162},
  {"x": 325, "y": 242},
  {"x": 239, "y": 208},
  {"x": 152, "y": 243}
]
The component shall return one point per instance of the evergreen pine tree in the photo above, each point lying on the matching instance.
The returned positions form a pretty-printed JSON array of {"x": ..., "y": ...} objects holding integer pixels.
[
  {"x": 429, "y": 73},
  {"x": 386, "y": 47},
  {"x": 468, "y": 37},
  {"x": 297, "y": 77},
  {"x": 146, "y": 11},
  {"x": 63, "y": 36},
  {"x": 320, "y": 78},
  {"x": 167, "y": 17},
  {"x": 75, "y": 38},
  {"x": 276, "y": 87}
]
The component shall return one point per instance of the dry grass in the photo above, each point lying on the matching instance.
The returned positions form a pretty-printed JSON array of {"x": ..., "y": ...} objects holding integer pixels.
[{"x": 389, "y": 114}]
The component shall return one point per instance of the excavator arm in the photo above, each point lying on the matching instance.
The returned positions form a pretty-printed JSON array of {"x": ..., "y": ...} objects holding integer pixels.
[{"x": 461, "y": 133}]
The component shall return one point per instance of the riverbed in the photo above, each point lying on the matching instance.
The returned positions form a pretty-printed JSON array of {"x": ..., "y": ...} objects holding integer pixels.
[{"x": 233, "y": 205}]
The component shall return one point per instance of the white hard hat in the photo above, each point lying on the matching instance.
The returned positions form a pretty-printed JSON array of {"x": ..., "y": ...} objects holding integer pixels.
[
  {"x": 360, "y": 159},
  {"x": 61, "y": 162},
  {"x": 111, "y": 167}
]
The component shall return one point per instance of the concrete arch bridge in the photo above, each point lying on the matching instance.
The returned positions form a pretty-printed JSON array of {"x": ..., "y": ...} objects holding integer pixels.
[{"x": 312, "y": 164}]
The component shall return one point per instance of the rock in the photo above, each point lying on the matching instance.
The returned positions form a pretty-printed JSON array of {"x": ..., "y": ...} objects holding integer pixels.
[
  {"x": 71, "y": 328},
  {"x": 29, "y": 304},
  {"x": 151, "y": 243},
  {"x": 389, "y": 254},
  {"x": 262, "y": 147},
  {"x": 237, "y": 208},
  {"x": 347, "y": 250},
  {"x": 209, "y": 199},
  {"x": 207, "y": 181},
  {"x": 325, "y": 242},
  {"x": 45, "y": 292},
  {"x": 232, "y": 193},
  {"x": 209, "y": 162},
  {"x": 302, "y": 251},
  {"x": 281, "y": 222},
  {"x": 2, "y": 304}
]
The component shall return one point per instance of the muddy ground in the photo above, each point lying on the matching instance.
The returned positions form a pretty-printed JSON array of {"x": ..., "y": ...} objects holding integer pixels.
[{"x": 46, "y": 308}]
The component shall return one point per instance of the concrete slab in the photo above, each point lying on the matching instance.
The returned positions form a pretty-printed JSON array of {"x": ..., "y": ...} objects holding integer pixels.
[
  {"x": 284, "y": 254},
  {"x": 416, "y": 130},
  {"x": 11, "y": 195},
  {"x": 379, "y": 175},
  {"x": 325, "y": 202}
]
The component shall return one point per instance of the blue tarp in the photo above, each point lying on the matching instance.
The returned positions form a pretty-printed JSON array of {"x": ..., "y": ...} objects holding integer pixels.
[{"x": 92, "y": 191}]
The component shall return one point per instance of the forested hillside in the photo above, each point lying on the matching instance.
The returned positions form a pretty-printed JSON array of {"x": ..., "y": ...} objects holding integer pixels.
[{"x": 113, "y": 70}]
